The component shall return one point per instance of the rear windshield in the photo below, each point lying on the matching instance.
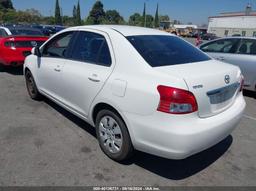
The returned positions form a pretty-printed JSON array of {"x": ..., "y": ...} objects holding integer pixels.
[
  {"x": 164, "y": 50},
  {"x": 26, "y": 32}
]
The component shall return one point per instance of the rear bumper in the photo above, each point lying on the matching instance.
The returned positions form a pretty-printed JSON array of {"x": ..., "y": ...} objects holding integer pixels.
[
  {"x": 180, "y": 136},
  {"x": 13, "y": 57}
]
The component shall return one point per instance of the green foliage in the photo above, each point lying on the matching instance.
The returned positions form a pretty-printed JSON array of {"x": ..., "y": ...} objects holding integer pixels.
[
  {"x": 78, "y": 20},
  {"x": 149, "y": 21},
  {"x": 74, "y": 12},
  {"x": 135, "y": 19},
  {"x": 144, "y": 16},
  {"x": 5, "y": 5},
  {"x": 58, "y": 19},
  {"x": 164, "y": 18},
  {"x": 156, "y": 22},
  {"x": 113, "y": 17},
  {"x": 97, "y": 14}
]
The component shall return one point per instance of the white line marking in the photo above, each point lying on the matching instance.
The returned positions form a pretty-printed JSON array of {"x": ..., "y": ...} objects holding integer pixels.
[{"x": 249, "y": 117}]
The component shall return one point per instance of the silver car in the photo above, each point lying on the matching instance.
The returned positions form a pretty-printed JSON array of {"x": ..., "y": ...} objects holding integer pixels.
[{"x": 240, "y": 51}]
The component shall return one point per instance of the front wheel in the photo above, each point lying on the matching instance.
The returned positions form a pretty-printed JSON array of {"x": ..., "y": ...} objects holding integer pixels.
[
  {"x": 31, "y": 86},
  {"x": 113, "y": 136}
]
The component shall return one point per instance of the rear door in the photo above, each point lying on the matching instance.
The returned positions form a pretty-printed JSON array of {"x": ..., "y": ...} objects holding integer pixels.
[
  {"x": 222, "y": 49},
  {"x": 239, "y": 52},
  {"x": 51, "y": 64},
  {"x": 89, "y": 66},
  {"x": 245, "y": 58}
]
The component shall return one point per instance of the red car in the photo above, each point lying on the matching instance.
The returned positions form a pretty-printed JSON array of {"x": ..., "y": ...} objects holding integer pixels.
[{"x": 16, "y": 43}]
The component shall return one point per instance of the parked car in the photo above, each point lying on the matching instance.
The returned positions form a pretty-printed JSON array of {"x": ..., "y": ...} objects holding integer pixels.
[
  {"x": 208, "y": 36},
  {"x": 140, "y": 88},
  {"x": 16, "y": 43},
  {"x": 239, "y": 51}
]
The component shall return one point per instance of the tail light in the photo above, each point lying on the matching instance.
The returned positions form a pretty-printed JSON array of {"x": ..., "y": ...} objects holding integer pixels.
[
  {"x": 241, "y": 83},
  {"x": 176, "y": 101},
  {"x": 10, "y": 44}
]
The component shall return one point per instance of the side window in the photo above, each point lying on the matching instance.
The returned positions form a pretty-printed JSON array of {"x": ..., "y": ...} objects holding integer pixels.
[
  {"x": 221, "y": 46},
  {"x": 3, "y": 33},
  {"x": 58, "y": 46},
  {"x": 91, "y": 47},
  {"x": 247, "y": 46}
]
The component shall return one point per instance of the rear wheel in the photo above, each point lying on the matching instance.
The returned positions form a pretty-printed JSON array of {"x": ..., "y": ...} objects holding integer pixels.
[
  {"x": 113, "y": 136},
  {"x": 31, "y": 86}
]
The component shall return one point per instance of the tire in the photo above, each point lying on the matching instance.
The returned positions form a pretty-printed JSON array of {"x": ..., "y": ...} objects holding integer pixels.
[
  {"x": 31, "y": 86},
  {"x": 113, "y": 136},
  {"x": 1, "y": 68}
]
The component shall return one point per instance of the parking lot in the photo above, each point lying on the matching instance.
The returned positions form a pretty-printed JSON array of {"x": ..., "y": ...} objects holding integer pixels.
[{"x": 44, "y": 145}]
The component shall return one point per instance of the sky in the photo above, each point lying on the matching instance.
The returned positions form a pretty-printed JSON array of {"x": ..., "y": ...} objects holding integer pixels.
[{"x": 195, "y": 11}]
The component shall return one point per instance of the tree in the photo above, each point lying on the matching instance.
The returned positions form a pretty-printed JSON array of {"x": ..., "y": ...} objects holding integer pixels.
[
  {"x": 113, "y": 17},
  {"x": 144, "y": 16},
  {"x": 164, "y": 18},
  {"x": 149, "y": 21},
  {"x": 74, "y": 13},
  {"x": 156, "y": 18},
  {"x": 78, "y": 14},
  {"x": 135, "y": 19},
  {"x": 58, "y": 20},
  {"x": 97, "y": 14},
  {"x": 6, "y": 4}
]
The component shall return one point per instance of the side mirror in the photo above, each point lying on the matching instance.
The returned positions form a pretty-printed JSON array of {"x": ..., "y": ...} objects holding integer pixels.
[{"x": 36, "y": 51}]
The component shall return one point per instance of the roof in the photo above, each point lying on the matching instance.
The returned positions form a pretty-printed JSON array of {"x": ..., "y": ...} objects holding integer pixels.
[
  {"x": 233, "y": 15},
  {"x": 123, "y": 29}
]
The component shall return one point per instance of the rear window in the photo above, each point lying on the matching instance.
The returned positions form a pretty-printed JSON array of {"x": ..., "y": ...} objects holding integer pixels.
[
  {"x": 26, "y": 32},
  {"x": 164, "y": 50}
]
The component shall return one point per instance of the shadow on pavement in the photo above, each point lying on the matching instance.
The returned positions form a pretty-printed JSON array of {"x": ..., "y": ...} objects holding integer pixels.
[
  {"x": 181, "y": 169},
  {"x": 171, "y": 169},
  {"x": 18, "y": 71},
  {"x": 250, "y": 94}
]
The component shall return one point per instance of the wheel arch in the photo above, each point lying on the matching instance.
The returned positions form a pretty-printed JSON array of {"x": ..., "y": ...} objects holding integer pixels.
[{"x": 103, "y": 105}]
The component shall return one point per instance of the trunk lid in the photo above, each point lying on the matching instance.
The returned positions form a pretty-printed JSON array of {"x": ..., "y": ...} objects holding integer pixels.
[
  {"x": 214, "y": 84},
  {"x": 26, "y": 41}
]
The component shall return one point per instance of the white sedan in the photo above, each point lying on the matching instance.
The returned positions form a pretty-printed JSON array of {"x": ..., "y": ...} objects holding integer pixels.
[{"x": 140, "y": 88}]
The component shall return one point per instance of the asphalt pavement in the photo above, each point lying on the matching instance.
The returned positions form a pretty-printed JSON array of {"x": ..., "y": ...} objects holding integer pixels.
[{"x": 41, "y": 144}]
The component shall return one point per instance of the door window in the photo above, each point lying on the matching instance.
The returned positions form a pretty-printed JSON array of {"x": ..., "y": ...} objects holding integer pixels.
[
  {"x": 247, "y": 46},
  {"x": 221, "y": 46},
  {"x": 92, "y": 48},
  {"x": 3, "y": 33},
  {"x": 58, "y": 46}
]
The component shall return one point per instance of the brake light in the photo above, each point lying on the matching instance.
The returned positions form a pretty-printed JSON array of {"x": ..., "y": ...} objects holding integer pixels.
[
  {"x": 176, "y": 101},
  {"x": 241, "y": 83},
  {"x": 9, "y": 44}
]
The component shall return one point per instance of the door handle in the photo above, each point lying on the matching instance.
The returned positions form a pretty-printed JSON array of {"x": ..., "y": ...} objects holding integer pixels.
[
  {"x": 57, "y": 70},
  {"x": 93, "y": 79}
]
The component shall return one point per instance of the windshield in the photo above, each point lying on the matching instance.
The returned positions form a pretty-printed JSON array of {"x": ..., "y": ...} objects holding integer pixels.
[
  {"x": 26, "y": 32},
  {"x": 165, "y": 50}
]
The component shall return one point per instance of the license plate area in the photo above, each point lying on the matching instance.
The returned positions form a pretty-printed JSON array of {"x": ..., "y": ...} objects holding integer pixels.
[{"x": 223, "y": 94}]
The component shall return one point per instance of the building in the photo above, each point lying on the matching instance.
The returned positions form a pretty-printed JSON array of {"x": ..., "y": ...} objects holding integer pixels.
[{"x": 234, "y": 23}]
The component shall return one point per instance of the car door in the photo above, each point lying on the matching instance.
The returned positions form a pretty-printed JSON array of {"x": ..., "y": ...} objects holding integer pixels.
[
  {"x": 89, "y": 66},
  {"x": 245, "y": 58},
  {"x": 239, "y": 52},
  {"x": 221, "y": 49},
  {"x": 51, "y": 63}
]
